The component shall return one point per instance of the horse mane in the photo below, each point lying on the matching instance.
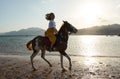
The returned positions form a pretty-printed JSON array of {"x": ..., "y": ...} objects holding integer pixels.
[
  {"x": 62, "y": 28},
  {"x": 62, "y": 33}
]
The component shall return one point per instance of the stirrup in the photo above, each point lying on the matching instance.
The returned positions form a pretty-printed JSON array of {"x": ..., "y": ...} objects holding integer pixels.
[{"x": 50, "y": 49}]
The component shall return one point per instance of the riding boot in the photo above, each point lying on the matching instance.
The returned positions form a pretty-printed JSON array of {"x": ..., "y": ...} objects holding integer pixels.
[{"x": 51, "y": 46}]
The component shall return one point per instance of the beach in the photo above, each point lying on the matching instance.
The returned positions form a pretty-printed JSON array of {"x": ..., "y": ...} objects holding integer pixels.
[{"x": 19, "y": 67}]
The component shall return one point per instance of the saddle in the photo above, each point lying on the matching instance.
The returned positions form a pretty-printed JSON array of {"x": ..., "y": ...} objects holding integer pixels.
[{"x": 47, "y": 43}]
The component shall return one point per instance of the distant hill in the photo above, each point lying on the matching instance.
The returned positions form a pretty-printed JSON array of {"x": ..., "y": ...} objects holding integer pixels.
[
  {"x": 113, "y": 29},
  {"x": 29, "y": 31}
]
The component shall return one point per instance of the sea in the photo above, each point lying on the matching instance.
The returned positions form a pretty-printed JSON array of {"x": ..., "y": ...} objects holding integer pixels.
[{"x": 78, "y": 45}]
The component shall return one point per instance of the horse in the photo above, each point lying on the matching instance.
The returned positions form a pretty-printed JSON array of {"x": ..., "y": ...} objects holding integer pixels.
[{"x": 42, "y": 43}]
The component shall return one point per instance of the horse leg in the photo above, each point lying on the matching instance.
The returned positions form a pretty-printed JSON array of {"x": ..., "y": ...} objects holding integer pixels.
[
  {"x": 32, "y": 57},
  {"x": 61, "y": 58},
  {"x": 65, "y": 54},
  {"x": 43, "y": 56}
]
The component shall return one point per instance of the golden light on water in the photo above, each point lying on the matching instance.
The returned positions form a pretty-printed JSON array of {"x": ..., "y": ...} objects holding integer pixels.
[
  {"x": 89, "y": 60},
  {"x": 87, "y": 43}
]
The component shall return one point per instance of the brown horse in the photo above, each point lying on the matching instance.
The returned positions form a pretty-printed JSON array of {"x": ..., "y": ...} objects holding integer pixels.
[{"x": 39, "y": 43}]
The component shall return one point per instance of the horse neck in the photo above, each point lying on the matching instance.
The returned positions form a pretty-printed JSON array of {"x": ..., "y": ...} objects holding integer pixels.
[{"x": 63, "y": 34}]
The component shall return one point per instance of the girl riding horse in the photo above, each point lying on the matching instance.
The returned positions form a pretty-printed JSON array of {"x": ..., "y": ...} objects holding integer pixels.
[{"x": 38, "y": 44}]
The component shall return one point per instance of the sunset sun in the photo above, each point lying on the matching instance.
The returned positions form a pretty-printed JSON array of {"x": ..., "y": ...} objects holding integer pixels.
[{"x": 89, "y": 12}]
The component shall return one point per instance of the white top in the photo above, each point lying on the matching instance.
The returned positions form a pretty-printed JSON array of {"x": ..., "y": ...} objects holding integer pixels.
[{"x": 52, "y": 24}]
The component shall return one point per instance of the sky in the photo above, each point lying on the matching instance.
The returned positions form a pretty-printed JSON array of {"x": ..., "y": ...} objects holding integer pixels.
[{"x": 23, "y": 14}]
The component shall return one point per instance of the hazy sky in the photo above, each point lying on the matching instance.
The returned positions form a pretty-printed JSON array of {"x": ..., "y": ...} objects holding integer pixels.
[{"x": 19, "y": 14}]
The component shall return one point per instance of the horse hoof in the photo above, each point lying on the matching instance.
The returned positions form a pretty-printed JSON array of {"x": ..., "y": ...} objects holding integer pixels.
[
  {"x": 64, "y": 70},
  {"x": 34, "y": 69},
  {"x": 70, "y": 68},
  {"x": 50, "y": 65}
]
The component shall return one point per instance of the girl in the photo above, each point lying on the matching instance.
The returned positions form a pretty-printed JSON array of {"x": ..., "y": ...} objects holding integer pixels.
[{"x": 51, "y": 31}]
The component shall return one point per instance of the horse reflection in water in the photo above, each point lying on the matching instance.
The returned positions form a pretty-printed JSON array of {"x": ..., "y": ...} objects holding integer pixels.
[{"x": 42, "y": 43}]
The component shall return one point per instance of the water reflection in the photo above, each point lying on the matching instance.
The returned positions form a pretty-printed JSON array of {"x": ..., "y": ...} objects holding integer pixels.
[
  {"x": 89, "y": 60},
  {"x": 93, "y": 45},
  {"x": 88, "y": 42},
  {"x": 88, "y": 45}
]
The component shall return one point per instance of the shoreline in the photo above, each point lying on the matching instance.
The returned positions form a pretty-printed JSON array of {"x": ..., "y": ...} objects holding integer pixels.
[
  {"x": 19, "y": 67},
  {"x": 96, "y": 56}
]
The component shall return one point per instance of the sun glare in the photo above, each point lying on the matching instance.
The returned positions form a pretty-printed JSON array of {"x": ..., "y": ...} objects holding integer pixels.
[
  {"x": 87, "y": 42},
  {"x": 89, "y": 12}
]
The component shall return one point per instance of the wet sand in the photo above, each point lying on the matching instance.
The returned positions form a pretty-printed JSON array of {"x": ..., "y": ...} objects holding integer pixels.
[{"x": 19, "y": 67}]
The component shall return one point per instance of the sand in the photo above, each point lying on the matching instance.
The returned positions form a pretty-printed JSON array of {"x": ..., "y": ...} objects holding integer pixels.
[{"x": 19, "y": 67}]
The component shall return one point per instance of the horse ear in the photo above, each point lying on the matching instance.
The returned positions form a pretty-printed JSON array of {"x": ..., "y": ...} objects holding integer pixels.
[{"x": 64, "y": 21}]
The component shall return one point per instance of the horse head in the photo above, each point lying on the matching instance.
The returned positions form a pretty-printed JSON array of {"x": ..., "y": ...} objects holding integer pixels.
[{"x": 70, "y": 28}]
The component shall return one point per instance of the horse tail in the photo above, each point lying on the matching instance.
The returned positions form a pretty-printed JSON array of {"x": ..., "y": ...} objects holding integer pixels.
[{"x": 29, "y": 45}]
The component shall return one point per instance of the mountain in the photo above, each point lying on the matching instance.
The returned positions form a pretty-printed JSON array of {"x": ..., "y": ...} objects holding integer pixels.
[
  {"x": 113, "y": 29},
  {"x": 29, "y": 31}
]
